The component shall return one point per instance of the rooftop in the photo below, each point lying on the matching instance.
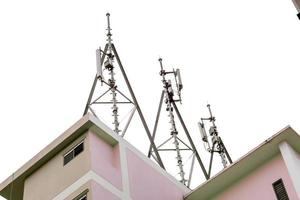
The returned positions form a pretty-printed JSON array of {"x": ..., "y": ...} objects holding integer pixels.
[{"x": 245, "y": 165}]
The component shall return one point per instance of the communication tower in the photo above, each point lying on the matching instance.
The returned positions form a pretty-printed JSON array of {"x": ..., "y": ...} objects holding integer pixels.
[
  {"x": 106, "y": 61},
  {"x": 171, "y": 96}
]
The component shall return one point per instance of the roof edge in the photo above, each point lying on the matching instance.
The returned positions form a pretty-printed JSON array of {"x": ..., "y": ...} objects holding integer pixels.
[{"x": 279, "y": 136}]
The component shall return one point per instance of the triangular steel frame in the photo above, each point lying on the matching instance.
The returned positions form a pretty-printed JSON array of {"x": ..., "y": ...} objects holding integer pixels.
[
  {"x": 191, "y": 145},
  {"x": 133, "y": 101}
]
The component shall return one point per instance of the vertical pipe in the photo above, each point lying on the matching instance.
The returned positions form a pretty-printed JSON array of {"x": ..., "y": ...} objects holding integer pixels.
[
  {"x": 211, "y": 159},
  {"x": 226, "y": 152},
  {"x": 138, "y": 108}
]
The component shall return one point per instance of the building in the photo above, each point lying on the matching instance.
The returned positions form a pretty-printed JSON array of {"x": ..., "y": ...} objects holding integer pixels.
[
  {"x": 271, "y": 168},
  {"x": 89, "y": 161}
]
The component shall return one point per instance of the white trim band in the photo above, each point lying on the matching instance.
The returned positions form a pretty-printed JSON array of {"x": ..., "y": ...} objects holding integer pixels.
[
  {"x": 88, "y": 177},
  {"x": 292, "y": 162}
]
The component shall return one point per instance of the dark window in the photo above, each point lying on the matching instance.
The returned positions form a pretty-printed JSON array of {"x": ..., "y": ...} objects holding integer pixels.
[
  {"x": 78, "y": 149},
  {"x": 83, "y": 197},
  {"x": 280, "y": 191},
  {"x": 75, "y": 151},
  {"x": 68, "y": 157}
]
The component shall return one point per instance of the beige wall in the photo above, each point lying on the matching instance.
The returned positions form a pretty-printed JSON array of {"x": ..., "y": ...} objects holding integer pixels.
[{"x": 53, "y": 177}]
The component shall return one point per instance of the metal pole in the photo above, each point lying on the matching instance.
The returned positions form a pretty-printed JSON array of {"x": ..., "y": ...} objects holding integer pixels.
[
  {"x": 156, "y": 121},
  {"x": 138, "y": 107},
  {"x": 129, "y": 120},
  {"x": 226, "y": 152},
  {"x": 191, "y": 141},
  {"x": 191, "y": 171},
  {"x": 211, "y": 159},
  {"x": 94, "y": 83}
]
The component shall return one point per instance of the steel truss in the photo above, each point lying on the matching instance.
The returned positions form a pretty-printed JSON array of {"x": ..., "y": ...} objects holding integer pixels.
[
  {"x": 110, "y": 53},
  {"x": 167, "y": 94}
]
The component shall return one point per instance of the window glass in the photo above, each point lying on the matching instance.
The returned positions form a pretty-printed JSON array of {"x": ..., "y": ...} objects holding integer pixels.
[
  {"x": 68, "y": 157},
  {"x": 78, "y": 149},
  {"x": 84, "y": 197}
]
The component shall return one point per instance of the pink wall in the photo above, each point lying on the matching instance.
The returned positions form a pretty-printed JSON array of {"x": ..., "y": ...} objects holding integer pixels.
[
  {"x": 98, "y": 192},
  {"x": 258, "y": 185},
  {"x": 105, "y": 160},
  {"x": 148, "y": 184}
]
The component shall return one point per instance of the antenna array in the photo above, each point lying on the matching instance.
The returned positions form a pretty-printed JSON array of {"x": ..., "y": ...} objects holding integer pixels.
[
  {"x": 171, "y": 97},
  {"x": 216, "y": 144},
  {"x": 107, "y": 60}
]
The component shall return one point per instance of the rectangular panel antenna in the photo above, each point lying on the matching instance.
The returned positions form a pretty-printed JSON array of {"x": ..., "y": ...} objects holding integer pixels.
[
  {"x": 98, "y": 63},
  {"x": 180, "y": 86},
  {"x": 202, "y": 132}
]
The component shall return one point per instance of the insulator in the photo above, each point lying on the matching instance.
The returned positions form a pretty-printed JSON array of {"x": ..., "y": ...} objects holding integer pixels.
[
  {"x": 215, "y": 139},
  {"x": 213, "y": 130},
  {"x": 170, "y": 90},
  {"x": 108, "y": 64}
]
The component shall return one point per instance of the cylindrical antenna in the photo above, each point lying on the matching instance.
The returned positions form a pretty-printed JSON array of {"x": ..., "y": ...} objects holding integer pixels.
[
  {"x": 160, "y": 62},
  {"x": 109, "y": 40},
  {"x": 108, "y": 25},
  {"x": 212, "y": 119}
]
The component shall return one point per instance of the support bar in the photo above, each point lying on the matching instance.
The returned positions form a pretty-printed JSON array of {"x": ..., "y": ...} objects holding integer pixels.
[{"x": 190, "y": 140}]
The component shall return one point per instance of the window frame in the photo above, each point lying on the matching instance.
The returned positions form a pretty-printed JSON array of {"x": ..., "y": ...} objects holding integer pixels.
[{"x": 72, "y": 152}]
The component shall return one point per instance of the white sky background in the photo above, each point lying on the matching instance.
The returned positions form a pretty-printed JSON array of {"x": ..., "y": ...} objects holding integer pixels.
[{"x": 240, "y": 56}]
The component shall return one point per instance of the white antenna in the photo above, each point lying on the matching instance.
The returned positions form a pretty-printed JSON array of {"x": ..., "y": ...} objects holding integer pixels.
[
  {"x": 179, "y": 81},
  {"x": 98, "y": 63},
  {"x": 202, "y": 132},
  {"x": 216, "y": 144}
]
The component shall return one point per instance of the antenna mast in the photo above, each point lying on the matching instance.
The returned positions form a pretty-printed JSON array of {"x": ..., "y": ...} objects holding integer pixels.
[
  {"x": 216, "y": 145},
  {"x": 109, "y": 54},
  {"x": 108, "y": 64},
  {"x": 179, "y": 145},
  {"x": 169, "y": 93}
]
